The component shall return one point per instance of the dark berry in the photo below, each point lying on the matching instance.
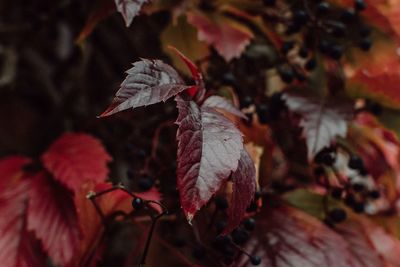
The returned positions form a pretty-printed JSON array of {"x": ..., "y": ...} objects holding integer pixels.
[
  {"x": 300, "y": 17},
  {"x": 324, "y": 47},
  {"x": 262, "y": 112},
  {"x": 374, "y": 108},
  {"x": 255, "y": 260},
  {"x": 323, "y": 8},
  {"x": 358, "y": 207},
  {"x": 365, "y": 44},
  {"x": 357, "y": 187},
  {"x": 287, "y": 46},
  {"x": 363, "y": 172},
  {"x": 359, "y": 5},
  {"x": 145, "y": 183},
  {"x": 221, "y": 203},
  {"x": 337, "y": 193},
  {"x": 348, "y": 16},
  {"x": 249, "y": 224},
  {"x": 240, "y": 236},
  {"x": 130, "y": 174},
  {"x": 303, "y": 52},
  {"x": 339, "y": 30},
  {"x": 286, "y": 74},
  {"x": 355, "y": 162},
  {"x": 374, "y": 194},
  {"x": 349, "y": 200},
  {"x": 311, "y": 64},
  {"x": 229, "y": 79},
  {"x": 269, "y": 2},
  {"x": 336, "y": 52},
  {"x": 364, "y": 31},
  {"x": 137, "y": 203},
  {"x": 337, "y": 215},
  {"x": 246, "y": 101},
  {"x": 325, "y": 156}
]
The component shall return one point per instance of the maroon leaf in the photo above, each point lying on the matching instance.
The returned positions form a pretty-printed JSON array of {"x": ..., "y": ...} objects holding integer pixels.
[
  {"x": 290, "y": 237},
  {"x": 360, "y": 244},
  {"x": 228, "y": 37},
  {"x": 321, "y": 121},
  {"x": 148, "y": 82},
  {"x": 129, "y": 9},
  {"x": 209, "y": 148},
  {"x": 223, "y": 104},
  {"x": 11, "y": 170},
  {"x": 244, "y": 187},
  {"x": 75, "y": 158},
  {"x": 53, "y": 218},
  {"x": 18, "y": 248}
]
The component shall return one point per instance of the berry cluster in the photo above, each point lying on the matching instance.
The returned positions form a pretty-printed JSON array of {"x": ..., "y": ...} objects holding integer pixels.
[
  {"x": 350, "y": 181},
  {"x": 324, "y": 30}
]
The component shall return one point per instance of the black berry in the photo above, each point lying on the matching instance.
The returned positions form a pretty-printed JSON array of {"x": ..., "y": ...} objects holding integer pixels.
[
  {"x": 249, "y": 224},
  {"x": 246, "y": 101},
  {"x": 240, "y": 236},
  {"x": 374, "y": 194},
  {"x": 348, "y": 16},
  {"x": 286, "y": 74},
  {"x": 303, "y": 52},
  {"x": 336, "y": 193},
  {"x": 358, "y": 207},
  {"x": 325, "y": 156},
  {"x": 364, "y": 31},
  {"x": 336, "y": 52},
  {"x": 337, "y": 215},
  {"x": 137, "y": 203},
  {"x": 323, "y": 8},
  {"x": 359, "y": 5},
  {"x": 255, "y": 260},
  {"x": 355, "y": 162},
  {"x": 145, "y": 183},
  {"x": 311, "y": 64},
  {"x": 365, "y": 44},
  {"x": 262, "y": 112}
]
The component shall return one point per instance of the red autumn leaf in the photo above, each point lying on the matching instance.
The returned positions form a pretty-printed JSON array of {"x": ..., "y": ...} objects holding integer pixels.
[
  {"x": 378, "y": 79},
  {"x": 148, "y": 82},
  {"x": 18, "y": 247},
  {"x": 11, "y": 170},
  {"x": 209, "y": 148},
  {"x": 321, "y": 121},
  {"x": 218, "y": 102},
  {"x": 244, "y": 187},
  {"x": 75, "y": 158},
  {"x": 129, "y": 9},
  {"x": 228, "y": 37},
  {"x": 290, "y": 237},
  {"x": 52, "y": 217},
  {"x": 361, "y": 243}
]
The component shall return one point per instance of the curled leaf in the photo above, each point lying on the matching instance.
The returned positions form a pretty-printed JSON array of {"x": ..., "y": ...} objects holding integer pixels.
[
  {"x": 148, "y": 82},
  {"x": 222, "y": 103}
]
